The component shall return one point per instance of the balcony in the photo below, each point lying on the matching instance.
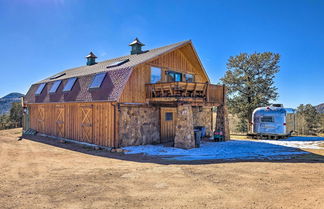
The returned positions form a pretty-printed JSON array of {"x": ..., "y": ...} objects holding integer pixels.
[{"x": 185, "y": 92}]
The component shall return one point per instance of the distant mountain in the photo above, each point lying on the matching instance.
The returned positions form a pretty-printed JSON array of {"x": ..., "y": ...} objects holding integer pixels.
[
  {"x": 6, "y": 101},
  {"x": 320, "y": 108}
]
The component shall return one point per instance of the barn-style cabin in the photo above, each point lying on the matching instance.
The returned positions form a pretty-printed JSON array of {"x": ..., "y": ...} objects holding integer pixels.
[{"x": 148, "y": 97}]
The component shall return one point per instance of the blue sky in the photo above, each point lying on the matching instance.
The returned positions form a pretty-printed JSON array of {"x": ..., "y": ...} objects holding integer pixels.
[{"x": 39, "y": 38}]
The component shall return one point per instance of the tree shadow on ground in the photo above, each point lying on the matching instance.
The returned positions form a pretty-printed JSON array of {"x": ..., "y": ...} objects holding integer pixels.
[{"x": 308, "y": 157}]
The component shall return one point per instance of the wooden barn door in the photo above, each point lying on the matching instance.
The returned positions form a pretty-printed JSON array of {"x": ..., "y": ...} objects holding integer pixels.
[
  {"x": 41, "y": 119},
  {"x": 59, "y": 123},
  {"x": 87, "y": 123},
  {"x": 168, "y": 123}
]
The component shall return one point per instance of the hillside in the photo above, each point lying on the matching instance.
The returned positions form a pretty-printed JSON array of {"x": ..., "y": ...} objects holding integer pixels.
[
  {"x": 320, "y": 108},
  {"x": 6, "y": 101}
]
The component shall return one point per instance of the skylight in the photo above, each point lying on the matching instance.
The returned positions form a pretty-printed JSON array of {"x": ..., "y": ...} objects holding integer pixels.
[
  {"x": 55, "y": 86},
  {"x": 40, "y": 88},
  {"x": 97, "y": 80},
  {"x": 57, "y": 76},
  {"x": 118, "y": 63},
  {"x": 69, "y": 84}
]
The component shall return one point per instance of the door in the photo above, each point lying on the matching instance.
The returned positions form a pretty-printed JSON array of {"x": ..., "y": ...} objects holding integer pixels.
[
  {"x": 87, "y": 123},
  {"x": 41, "y": 119},
  {"x": 168, "y": 124},
  {"x": 59, "y": 123}
]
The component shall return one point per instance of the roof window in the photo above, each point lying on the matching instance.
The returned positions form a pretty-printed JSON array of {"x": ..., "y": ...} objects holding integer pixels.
[
  {"x": 69, "y": 84},
  {"x": 40, "y": 88},
  {"x": 118, "y": 63},
  {"x": 55, "y": 86},
  {"x": 97, "y": 80}
]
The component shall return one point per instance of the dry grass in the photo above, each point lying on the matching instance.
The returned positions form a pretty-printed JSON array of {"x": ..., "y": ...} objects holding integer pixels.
[{"x": 38, "y": 175}]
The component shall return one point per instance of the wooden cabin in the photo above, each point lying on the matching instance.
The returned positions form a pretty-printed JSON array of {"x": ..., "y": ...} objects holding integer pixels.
[{"x": 148, "y": 97}]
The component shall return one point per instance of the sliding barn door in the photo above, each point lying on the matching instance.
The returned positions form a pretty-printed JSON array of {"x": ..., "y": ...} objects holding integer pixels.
[
  {"x": 59, "y": 123},
  {"x": 41, "y": 119},
  {"x": 87, "y": 123},
  {"x": 168, "y": 123}
]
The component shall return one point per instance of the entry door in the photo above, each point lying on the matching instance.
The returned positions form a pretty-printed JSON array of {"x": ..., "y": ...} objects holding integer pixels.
[
  {"x": 168, "y": 123},
  {"x": 87, "y": 123},
  {"x": 59, "y": 113},
  {"x": 41, "y": 119}
]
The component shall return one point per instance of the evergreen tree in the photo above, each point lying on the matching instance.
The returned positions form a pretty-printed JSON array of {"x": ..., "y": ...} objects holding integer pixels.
[
  {"x": 310, "y": 119},
  {"x": 16, "y": 114},
  {"x": 250, "y": 84}
]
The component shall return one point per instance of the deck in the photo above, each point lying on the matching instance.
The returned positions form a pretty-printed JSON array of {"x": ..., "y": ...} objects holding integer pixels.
[{"x": 185, "y": 92}]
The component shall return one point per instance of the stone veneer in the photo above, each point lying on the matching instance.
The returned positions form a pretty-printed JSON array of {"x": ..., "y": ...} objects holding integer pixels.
[
  {"x": 202, "y": 116},
  {"x": 139, "y": 125},
  {"x": 184, "y": 136},
  {"x": 222, "y": 121}
]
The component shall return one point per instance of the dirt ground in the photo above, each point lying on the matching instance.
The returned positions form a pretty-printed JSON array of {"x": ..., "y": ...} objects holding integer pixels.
[{"x": 44, "y": 173}]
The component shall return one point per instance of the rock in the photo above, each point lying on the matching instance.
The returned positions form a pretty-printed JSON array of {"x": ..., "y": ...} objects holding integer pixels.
[{"x": 184, "y": 137}]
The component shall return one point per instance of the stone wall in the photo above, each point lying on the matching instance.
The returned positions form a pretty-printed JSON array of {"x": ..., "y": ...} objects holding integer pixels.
[
  {"x": 139, "y": 126},
  {"x": 202, "y": 117},
  {"x": 184, "y": 136}
]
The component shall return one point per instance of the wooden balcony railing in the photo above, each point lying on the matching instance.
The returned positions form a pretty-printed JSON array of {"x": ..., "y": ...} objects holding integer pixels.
[{"x": 183, "y": 90}]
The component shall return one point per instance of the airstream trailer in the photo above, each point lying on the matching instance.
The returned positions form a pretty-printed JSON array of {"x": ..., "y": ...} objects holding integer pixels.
[{"x": 273, "y": 122}]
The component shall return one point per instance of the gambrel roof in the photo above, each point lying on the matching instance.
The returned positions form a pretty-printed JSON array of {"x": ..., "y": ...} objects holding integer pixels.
[{"x": 118, "y": 72}]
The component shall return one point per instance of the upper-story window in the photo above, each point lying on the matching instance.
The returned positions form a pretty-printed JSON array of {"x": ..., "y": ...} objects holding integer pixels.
[
  {"x": 97, "y": 80},
  {"x": 173, "y": 76},
  {"x": 40, "y": 88},
  {"x": 55, "y": 86},
  {"x": 155, "y": 74},
  {"x": 69, "y": 84},
  {"x": 190, "y": 78}
]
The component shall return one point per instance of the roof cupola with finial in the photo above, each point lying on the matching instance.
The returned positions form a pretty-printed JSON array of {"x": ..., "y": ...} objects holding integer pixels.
[
  {"x": 136, "y": 46},
  {"x": 91, "y": 59}
]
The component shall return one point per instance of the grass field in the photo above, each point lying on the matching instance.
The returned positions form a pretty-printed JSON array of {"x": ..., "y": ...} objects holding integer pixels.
[{"x": 43, "y": 173}]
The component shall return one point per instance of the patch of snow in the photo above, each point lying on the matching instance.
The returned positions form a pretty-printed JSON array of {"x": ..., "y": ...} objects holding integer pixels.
[{"x": 234, "y": 149}]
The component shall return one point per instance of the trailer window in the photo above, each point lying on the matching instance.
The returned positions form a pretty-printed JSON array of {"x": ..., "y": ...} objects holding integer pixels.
[{"x": 267, "y": 119}]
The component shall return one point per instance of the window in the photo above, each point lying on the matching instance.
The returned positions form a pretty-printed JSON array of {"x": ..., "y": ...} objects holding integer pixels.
[
  {"x": 189, "y": 78},
  {"x": 97, "y": 80},
  {"x": 40, "y": 88},
  {"x": 117, "y": 63},
  {"x": 55, "y": 86},
  {"x": 69, "y": 84},
  {"x": 267, "y": 119},
  {"x": 168, "y": 116},
  {"x": 57, "y": 76},
  {"x": 173, "y": 76},
  {"x": 155, "y": 74}
]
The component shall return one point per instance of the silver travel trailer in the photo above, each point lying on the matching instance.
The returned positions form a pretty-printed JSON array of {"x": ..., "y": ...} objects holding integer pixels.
[{"x": 273, "y": 122}]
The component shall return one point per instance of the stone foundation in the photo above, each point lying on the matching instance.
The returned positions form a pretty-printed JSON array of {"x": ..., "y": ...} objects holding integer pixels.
[
  {"x": 184, "y": 136},
  {"x": 139, "y": 126},
  {"x": 202, "y": 116}
]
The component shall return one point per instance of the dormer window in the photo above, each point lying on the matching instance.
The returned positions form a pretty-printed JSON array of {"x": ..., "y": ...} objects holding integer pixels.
[
  {"x": 40, "y": 88},
  {"x": 97, "y": 80},
  {"x": 55, "y": 86},
  {"x": 69, "y": 84}
]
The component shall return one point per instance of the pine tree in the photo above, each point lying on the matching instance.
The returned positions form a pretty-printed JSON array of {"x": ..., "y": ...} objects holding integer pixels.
[
  {"x": 16, "y": 114},
  {"x": 250, "y": 84},
  {"x": 310, "y": 119}
]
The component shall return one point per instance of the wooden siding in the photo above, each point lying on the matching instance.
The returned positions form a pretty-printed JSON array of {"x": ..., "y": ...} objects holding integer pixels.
[
  {"x": 135, "y": 92},
  {"x": 85, "y": 122},
  {"x": 178, "y": 62}
]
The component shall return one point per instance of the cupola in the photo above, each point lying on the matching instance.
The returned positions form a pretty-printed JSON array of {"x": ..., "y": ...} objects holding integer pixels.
[
  {"x": 91, "y": 59},
  {"x": 136, "y": 46}
]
